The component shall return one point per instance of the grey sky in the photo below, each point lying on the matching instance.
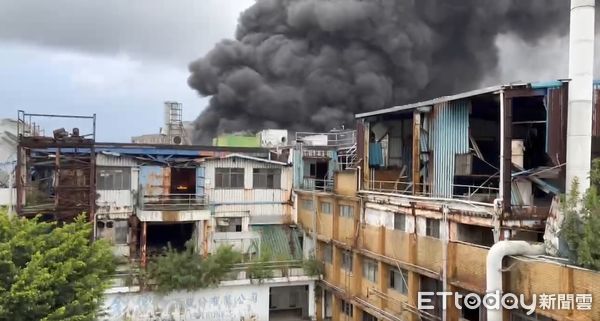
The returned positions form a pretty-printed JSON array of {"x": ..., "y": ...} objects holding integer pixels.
[
  {"x": 118, "y": 58},
  {"x": 122, "y": 58}
]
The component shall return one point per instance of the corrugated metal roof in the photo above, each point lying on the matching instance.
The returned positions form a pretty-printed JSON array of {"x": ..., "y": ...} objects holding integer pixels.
[
  {"x": 278, "y": 240},
  {"x": 256, "y": 159},
  {"x": 434, "y": 101}
]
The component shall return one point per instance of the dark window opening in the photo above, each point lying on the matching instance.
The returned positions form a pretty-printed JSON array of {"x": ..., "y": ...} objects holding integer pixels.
[
  {"x": 229, "y": 224},
  {"x": 159, "y": 236},
  {"x": 183, "y": 180},
  {"x": 475, "y": 234}
]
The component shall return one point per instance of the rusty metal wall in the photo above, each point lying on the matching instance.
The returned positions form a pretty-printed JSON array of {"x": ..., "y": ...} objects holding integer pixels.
[
  {"x": 155, "y": 180},
  {"x": 557, "y": 124},
  {"x": 449, "y": 135}
]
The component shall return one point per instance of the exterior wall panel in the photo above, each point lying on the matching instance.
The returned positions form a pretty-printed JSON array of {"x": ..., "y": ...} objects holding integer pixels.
[{"x": 449, "y": 136}]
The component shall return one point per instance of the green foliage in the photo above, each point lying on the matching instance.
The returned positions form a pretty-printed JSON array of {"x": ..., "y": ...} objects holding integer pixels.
[
  {"x": 50, "y": 272},
  {"x": 188, "y": 271},
  {"x": 581, "y": 225},
  {"x": 261, "y": 268},
  {"x": 312, "y": 266}
]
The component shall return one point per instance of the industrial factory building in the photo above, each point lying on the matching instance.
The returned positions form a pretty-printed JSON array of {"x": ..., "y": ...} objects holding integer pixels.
[{"x": 419, "y": 198}]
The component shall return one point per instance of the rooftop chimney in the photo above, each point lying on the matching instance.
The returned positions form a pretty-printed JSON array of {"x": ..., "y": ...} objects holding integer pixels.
[{"x": 581, "y": 73}]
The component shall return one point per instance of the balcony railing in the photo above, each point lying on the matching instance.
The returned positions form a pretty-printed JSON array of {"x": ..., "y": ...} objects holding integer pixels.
[
  {"x": 338, "y": 138},
  {"x": 399, "y": 187},
  {"x": 485, "y": 194},
  {"x": 173, "y": 202},
  {"x": 315, "y": 184}
]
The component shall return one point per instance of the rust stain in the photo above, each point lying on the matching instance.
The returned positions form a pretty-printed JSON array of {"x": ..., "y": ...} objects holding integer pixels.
[{"x": 170, "y": 216}]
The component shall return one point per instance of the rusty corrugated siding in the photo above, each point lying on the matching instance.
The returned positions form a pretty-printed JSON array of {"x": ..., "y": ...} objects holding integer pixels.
[
  {"x": 449, "y": 136},
  {"x": 557, "y": 124},
  {"x": 596, "y": 112}
]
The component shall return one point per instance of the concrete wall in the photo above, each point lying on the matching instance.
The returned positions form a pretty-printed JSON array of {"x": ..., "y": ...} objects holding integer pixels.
[
  {"x": 218, "y": 304},
  {"x": 237, "y": 302}
]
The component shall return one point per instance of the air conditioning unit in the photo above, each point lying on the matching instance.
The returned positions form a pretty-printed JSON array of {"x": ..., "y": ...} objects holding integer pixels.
[{"x": 177, "y": 140}]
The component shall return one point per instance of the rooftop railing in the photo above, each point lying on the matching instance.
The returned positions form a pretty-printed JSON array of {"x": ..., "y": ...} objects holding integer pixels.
[{"x": 173, "y": 202}]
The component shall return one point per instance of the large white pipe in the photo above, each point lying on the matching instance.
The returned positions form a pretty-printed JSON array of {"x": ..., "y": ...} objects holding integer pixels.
[
  {"x": 581, "y": 73},
  {"x": 494, "y": 267}
]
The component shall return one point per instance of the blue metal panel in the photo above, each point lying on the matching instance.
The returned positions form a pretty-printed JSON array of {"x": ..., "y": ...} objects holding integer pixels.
[
  {"x": 200, "y": 181},
  {"x": 298, "y": 168},
  {"x": 449, "y": 135},
  {"x": 333, "y": 164}
]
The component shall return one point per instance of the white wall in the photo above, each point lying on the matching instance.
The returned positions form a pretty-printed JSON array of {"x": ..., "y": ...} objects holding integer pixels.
[
  {"x": 225, "y": 303},
  {"x": 5, "y": 198}
]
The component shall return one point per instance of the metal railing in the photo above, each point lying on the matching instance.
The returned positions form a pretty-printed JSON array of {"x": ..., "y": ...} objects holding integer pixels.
[
  {"x": 475, "y": 192},
  {"x": 174, "y": 202},
  {"x": 315, "y": 184},
  {"x": 337, "y": 138},
  {"x": 398, "y": 187}
]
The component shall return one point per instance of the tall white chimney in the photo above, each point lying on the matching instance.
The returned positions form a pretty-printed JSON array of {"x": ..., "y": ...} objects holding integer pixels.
[{"x": 581, "y": 73}]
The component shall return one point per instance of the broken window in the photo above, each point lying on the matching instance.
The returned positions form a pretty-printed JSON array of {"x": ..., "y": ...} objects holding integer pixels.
[
  {"x": 229, "y": 224},
  {"x": 161, "y": 235},
  {"x": 266, "y": 178},
  {"x": 183, "y": 180},
  {"x": 229, "y": 177},
  {"x": 399, "y": 280},
  {"x": 115, "y": 231},
  {"x": 113, "y": 178}
]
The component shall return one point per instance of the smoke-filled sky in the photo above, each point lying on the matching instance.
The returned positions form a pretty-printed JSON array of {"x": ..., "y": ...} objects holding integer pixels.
[
  {"x": 313, "y": 64},
  {"x": 295, "y": 64}
]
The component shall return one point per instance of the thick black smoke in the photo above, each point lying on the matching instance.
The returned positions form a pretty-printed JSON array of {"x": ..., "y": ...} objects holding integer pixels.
[{"x": 313, "y": 64}]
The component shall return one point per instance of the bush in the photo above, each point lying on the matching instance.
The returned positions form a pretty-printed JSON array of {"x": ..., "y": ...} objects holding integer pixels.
[{"x": 188, "y": 271}]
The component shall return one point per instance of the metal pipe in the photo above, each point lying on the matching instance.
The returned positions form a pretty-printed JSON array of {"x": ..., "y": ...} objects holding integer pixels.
[
  {"x": 494, "y": 267},
  {"x": 580, "y": 106}
]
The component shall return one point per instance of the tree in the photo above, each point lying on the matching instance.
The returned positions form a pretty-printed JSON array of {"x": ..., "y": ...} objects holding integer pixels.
[
  {"x": 581, "y": 224},
  {"x": 50, "y": 271}
]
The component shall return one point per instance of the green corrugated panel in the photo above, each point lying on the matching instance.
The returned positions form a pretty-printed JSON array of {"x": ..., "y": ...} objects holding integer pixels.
[{"x": 276, "y": 240}]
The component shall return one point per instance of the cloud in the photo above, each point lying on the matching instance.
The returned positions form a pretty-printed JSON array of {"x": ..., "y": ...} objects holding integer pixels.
[{"x": 173, "y": 31}]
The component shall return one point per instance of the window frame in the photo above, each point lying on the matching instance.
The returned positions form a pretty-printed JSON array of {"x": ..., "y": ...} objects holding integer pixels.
[
  {"x": 329, "y": 210},
  {"x": 432, "y": 227},
  {"x": 262, "y": 175},
  {"x": 347, "y": 261},
  {"x": 369, "y": 263},
  {"x": 400, "y": 222},
  {"x": 403, "y": 275},
  {"x": 368, "y": 317},
  {"x": 346, "y": 308},
  {"x": 104, "y": 172},
  {"x": 327, "y": 253},
  {"x": 346, "y": 211},
  {"x": 305, "y": 204},
  {"x": 222, "y": 173}
]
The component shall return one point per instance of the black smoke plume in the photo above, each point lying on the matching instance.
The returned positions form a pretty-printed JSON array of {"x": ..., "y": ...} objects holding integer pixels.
[{"x": 313, "y": 64}]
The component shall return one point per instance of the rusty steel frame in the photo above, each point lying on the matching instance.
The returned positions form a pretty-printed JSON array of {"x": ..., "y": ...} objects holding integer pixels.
[{"x": 73, "y": 174}]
